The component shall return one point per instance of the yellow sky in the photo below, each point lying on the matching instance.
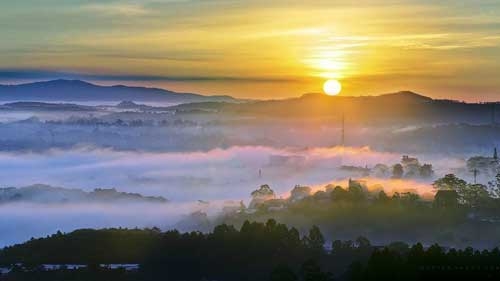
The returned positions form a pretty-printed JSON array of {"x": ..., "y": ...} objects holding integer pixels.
[{"x": 259, "y": 49}]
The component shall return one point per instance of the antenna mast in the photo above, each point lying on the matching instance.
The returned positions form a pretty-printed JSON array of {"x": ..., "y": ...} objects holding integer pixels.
[{"x": 342, "y": 137}]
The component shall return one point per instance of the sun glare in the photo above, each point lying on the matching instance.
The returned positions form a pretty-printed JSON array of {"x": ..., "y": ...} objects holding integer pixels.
[{"x": 332, "y": 87}]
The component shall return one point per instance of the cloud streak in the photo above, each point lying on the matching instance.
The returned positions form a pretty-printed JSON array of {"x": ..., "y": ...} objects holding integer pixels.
[
  {"x": 30, "y": 74},
  {"x": 121, "y": 9}
]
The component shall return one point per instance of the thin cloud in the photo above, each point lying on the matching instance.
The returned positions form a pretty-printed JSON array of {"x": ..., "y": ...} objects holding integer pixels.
[
  {"x": 117, "y": 9},
  {"x": 28, "y": 74}
]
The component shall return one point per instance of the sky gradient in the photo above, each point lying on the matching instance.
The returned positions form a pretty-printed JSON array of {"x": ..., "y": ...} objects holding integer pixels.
[{"x": 258, "y": 49}]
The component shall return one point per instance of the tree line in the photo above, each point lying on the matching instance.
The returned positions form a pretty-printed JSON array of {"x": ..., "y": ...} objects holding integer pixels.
[{"x": 256, "y": 251}]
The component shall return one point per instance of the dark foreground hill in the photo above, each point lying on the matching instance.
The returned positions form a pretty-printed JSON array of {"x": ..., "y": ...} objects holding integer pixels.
[{"x": 257, "y": 251}]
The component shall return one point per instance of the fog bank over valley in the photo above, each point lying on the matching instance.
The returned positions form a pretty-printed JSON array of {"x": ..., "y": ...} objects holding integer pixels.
[
  {"x": 216, "y": 174},
  {"x": 191, "y": 182},
  {"x": 164, "y": 163}
]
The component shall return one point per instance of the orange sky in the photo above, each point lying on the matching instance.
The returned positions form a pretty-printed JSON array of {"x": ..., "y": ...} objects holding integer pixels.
[{"x": 259, "y": 49}]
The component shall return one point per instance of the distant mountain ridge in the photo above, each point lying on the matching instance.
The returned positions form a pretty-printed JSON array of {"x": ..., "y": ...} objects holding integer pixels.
[
  {"x": 77, "y": 90},
  {"x": 319, "y": 102},
  {"x": 404, "y": 106},
  {"x": 44, "y": 106},
  {"x": 46, "y": 194}
]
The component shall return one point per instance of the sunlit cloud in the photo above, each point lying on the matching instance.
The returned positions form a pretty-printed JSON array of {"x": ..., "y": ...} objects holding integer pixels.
[{"x": 314, "y": 40}]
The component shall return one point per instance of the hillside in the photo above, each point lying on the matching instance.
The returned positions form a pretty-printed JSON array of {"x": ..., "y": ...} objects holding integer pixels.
[
  {"x": 45, "y": 194},
  {"x": 76, "y": 90},
  {"x": 404, "y": 106}
]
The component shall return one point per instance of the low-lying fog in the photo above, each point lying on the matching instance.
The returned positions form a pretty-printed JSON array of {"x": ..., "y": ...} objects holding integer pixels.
[
  {"x": 217, "y": 174},
  {"x": 183, "y": 178},
  {"x": 21, "y": 221}
]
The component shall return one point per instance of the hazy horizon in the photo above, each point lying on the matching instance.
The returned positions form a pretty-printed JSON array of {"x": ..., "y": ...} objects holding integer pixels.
[
  {"x": 163, "y": 87},
  {"x": 259, "y": 49}
]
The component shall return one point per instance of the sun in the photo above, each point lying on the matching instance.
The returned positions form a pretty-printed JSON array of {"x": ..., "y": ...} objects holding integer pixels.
[{"x": 332, "y": 87}]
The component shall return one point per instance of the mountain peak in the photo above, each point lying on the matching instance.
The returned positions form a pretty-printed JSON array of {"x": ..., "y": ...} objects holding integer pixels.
[
  {"x": 128, "y": 104},
  {"x": 314, "y": 95},
  {"x": 407, "y": 96},
  {"x": 400, "y": 95},
  {"x": 64, "y": 90},
  {"x": 408, "y": 93},
  {"x": 68, "y": 82}
]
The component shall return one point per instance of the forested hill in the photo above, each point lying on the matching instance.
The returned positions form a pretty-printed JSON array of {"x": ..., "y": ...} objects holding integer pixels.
[
  {"x": 46, "y": 194},
  {"x": 395, "y": 107},
  {"x": 257, "y": 251}
]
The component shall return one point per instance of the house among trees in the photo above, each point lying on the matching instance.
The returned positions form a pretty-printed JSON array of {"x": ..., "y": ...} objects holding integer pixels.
[
  {"x": 355, "y": 170},
  {"x": 299, "y": 192},
  {"x": 446, "y": 198},
  {"x": 487, "y": 166},
  {"x": 412, "y": 168},
  {"x": 409, "y": 161},
  {"x": 357, "y": 184},
  {"x": 261, "y": 195}
]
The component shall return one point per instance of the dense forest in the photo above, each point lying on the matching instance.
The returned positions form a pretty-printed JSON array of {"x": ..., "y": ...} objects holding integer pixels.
[
  {"x": 263, "y": 247},
  {"x": 460, "y": 214},
  {"x": 257, "y": 251}
]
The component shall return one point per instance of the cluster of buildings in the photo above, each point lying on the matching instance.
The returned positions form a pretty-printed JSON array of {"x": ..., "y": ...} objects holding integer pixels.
[
  {"x": 409, "y": 167},
  {"x": 484, "y": 166},
  {"x": 53, "y": 267}
]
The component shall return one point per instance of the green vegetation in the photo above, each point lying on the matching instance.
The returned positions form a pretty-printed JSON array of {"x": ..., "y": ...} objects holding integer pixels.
[
  {"x": 328, "y": 235},
  {"x": 460, "y": 215},
  {"x": 257, "y": 251}
]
